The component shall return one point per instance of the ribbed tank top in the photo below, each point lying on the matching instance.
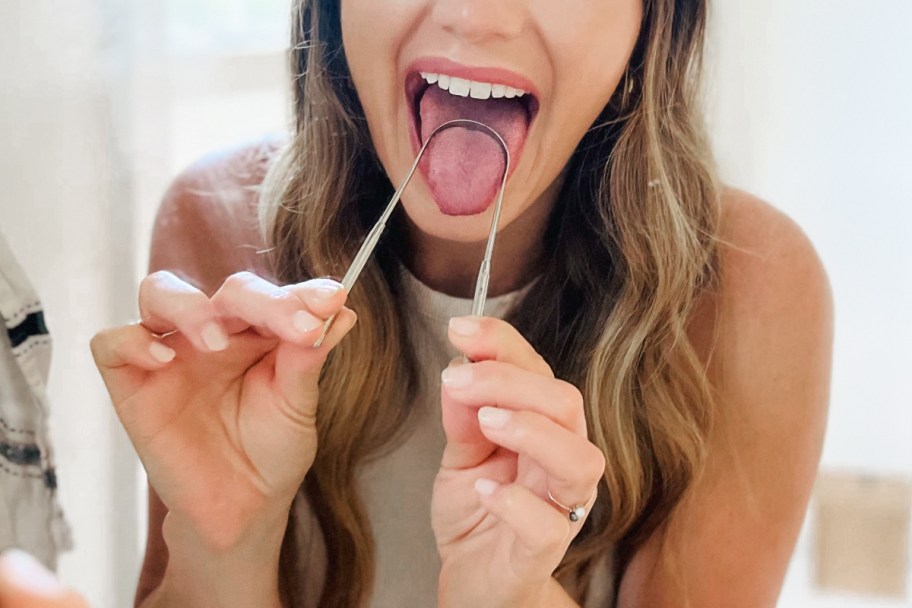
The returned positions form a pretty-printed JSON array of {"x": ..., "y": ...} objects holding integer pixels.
[{"x": 397, "y": 487}]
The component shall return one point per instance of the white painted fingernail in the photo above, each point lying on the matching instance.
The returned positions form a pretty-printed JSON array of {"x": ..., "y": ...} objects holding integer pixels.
[
  {"x": 304, "y": 322},
  {"x": 464, "y": 326},
  {"x": 327, "y": 291},
  {"x": 486, "y": 487},
  {"x": 458, "y": 376},
  {"x": 214, "y": 337},
  {"x": 494, "y": 417},
  {"x": 161, "y": 353}
]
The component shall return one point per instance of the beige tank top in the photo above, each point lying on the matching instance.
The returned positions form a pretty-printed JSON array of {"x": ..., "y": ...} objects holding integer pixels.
[{"x": 397, "y": 488}]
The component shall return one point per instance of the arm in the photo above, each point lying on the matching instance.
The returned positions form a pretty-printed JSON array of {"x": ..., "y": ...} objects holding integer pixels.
[
  {"x": 203, "y": 232},
  {"x": 730, "y": 540}
]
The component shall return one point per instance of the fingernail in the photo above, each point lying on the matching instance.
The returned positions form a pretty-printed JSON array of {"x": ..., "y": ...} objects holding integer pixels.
[
  {"x": 459, "y": 376},
  {"x": 464, "y": 326},
  {"x": 161, "y": 353},
  {"x": 494, "y": 417},
  {"x": 28, "y": 573},
  {"x": 304, "y": 322},
  {"x": 214, "y": 337},
  {"x": 486, "y": 487},
  {"x": 325, "y": 292}
]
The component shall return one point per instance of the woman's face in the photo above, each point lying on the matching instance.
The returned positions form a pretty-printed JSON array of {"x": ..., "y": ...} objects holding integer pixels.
[{"x": 419, "y": 63}]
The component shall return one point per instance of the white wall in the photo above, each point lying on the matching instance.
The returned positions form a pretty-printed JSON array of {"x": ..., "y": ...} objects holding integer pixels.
[
  {"x": 97, "y": 114},
  {"x": 58, "y": 212},
  {"x": 810, "y": 109},
  {"x": 813, "y": 111}
]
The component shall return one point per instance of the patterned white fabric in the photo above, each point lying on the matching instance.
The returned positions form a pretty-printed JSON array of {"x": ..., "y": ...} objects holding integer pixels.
[{"x": 30, "y": 517}]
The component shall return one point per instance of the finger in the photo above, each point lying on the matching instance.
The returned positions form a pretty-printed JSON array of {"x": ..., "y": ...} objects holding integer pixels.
[
  {"x": 298, "y": 367},
  {"x": 541, "y": 531},
  {"x": 466, "y": 445},
  {"x": 167, "y": 304},
  {"x": 131, "y": 345},
  {"x": 512, "y": 387},
  {"x": 484, "y": 338},
  {"x": 25, "y": 583},
  {"x": 324, "y": 297},
  {"x": 283, "y": 311},
  {"x": 128, "y": 353},
  {"x": 573, "y": 464}
]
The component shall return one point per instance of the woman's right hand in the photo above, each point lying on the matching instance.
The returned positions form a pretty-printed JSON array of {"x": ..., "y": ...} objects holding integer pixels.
[{"x": 222, "y": 409}]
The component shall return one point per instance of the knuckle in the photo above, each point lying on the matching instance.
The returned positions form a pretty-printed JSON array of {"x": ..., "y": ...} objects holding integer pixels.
[
  {"x": 571, "y": 395},
  {"x": 239, "y": 281},
  {"x": 595, "y": 464},
  {"x": 570, "y": 400},
  {"x": 154, "y": 281},
  {"x": 96, "y": 344},
  {"x": 285, "y": 299},
  {"x": 542, "y": 366},
  {"x": 160, "y": 276}
]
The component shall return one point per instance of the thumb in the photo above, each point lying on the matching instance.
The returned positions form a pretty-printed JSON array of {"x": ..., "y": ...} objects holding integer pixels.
[
  {"x": 25, "y": 583},
  {"x": 298, "y": 367},
  {"x": 466, "y": 446}
]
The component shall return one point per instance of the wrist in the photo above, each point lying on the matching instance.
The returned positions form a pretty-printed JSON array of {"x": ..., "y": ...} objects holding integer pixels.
[
  {"x": 241, "y": 569},
  {"x": 550, "y": 594}
]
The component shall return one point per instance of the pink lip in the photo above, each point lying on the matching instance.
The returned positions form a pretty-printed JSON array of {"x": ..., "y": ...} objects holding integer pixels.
[{"x": 440, "y": 65}]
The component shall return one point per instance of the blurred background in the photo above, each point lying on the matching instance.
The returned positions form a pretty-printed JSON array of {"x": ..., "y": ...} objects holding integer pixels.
[{"x": 102, "y": 102}]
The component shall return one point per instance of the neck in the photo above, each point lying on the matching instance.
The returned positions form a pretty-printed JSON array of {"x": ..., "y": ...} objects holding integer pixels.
[{"x": 451, "y": 267}]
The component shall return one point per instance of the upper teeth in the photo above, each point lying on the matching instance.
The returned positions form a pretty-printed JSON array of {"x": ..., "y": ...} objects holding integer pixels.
[{"x": 470, "y": 88}]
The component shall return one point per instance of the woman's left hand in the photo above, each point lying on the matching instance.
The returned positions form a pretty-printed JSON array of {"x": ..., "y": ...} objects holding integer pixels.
[{"x": 514, "y": 433}]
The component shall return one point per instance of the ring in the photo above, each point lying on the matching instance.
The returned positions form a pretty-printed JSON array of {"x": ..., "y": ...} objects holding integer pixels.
[{"x": 575, "y": 513}]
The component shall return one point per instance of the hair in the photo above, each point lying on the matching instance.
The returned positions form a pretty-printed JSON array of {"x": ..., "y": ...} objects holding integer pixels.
[{"x": 635, "y": 226}]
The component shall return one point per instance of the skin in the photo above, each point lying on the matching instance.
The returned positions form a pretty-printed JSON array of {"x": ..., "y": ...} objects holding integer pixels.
[
  {"x": 770, "y": 363},
  {"x": 26, "y": 583},
  {"x": 765, "y": 337},
  {"x": 575, "y": 53}
]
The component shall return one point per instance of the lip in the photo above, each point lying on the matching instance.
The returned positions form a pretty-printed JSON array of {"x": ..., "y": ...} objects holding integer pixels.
[{"x": 414, "y": 84}]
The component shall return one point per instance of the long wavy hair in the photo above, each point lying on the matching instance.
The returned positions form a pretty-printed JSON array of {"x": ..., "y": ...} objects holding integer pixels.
[{"x": 635, "y": 229}]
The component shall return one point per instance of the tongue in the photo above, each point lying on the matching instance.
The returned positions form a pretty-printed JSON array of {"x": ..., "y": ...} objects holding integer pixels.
[{"x": 464, "y": 167}]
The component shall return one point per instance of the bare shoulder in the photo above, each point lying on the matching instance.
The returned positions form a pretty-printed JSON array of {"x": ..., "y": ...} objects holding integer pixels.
[
  {"x": 771, "y": 281},
  {"x": 775, "y": 306},
  {"x": 772, "y": 310},
  {"x": 765, "y": 333},
  {"x": 207, "y": 225},
  {"x": 768, "y": 263}
]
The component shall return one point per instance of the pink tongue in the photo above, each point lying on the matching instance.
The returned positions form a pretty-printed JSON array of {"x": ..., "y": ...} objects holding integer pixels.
[{"x": 464, "y": 167}]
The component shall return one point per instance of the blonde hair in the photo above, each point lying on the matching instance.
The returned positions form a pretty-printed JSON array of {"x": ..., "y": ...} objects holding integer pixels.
[{"x": 634, "y": 225}]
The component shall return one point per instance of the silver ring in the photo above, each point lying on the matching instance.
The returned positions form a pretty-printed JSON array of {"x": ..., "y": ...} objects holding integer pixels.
[{"x": 575, "y": 513}]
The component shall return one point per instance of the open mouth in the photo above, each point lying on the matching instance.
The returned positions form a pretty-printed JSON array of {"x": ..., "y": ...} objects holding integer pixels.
[{"x": 464, "y": 167}]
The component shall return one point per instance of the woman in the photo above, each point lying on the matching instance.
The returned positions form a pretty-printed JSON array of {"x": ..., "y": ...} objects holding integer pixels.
[{"x": 643, "y": 418}]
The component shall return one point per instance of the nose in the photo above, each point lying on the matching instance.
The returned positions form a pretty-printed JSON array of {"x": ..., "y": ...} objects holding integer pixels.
[{"x": 480, "y": 20}]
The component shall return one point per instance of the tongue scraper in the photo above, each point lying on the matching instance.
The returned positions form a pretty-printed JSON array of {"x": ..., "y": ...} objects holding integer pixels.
[{"x": 484, "y": 272}]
